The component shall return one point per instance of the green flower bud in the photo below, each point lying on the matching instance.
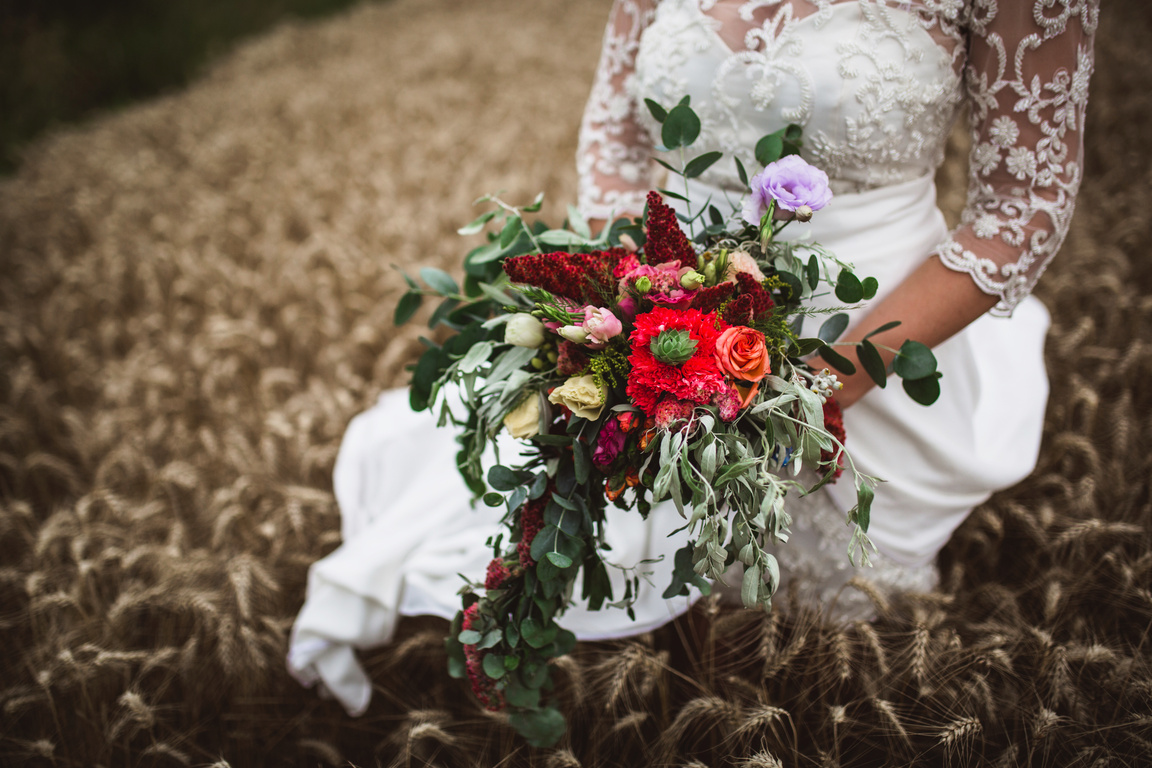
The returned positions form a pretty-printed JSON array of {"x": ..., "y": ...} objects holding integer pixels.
[
  {"x": 673, "y": 347},
  {"x": 691, "y": 280},
  {"x": 710, "y": 273},
  {"x": 643, "y": 285}
]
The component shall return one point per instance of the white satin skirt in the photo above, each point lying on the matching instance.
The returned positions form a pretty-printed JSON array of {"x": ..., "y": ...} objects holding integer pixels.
[{"x": 409, "y": 528}]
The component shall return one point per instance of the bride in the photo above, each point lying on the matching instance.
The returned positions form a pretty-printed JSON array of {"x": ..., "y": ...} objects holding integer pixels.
[{"x": 876, "y": 85}]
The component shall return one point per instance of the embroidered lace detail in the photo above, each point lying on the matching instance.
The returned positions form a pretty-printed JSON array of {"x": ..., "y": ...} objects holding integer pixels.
[{"x": 876, "y": 85}]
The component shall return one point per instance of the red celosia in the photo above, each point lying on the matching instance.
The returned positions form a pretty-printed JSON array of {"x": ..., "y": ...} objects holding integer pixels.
[
  {"x": 666, "y": 241},
  {"x": 753, "y": 302},
  {"x": 583, "y": 277},
  {"x": 834, "y": 423},
  {"x": 498, "y": 573},
  {"x": 707, "y": 299},
  {"x": 483, "y": 686},
  {"x": 696, "y": 380},
  {"x": 531, "y": 521},
  {"x": 572, "y": 360}
]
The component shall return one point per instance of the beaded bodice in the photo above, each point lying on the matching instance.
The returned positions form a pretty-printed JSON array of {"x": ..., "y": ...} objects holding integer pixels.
[{"x": 876, "y": 84}]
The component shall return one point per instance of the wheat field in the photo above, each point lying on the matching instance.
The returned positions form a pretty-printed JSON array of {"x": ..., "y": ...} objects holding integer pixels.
[{"x": 196, "y": 297}]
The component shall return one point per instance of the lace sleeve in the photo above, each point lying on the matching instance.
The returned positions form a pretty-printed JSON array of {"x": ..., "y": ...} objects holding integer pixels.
[
  {"x": 614, "y": 156},
  {"x": 1027, "y": 83}
]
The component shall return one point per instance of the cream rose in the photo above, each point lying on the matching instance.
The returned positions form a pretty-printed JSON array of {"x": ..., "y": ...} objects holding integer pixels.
[
  {"x": 523, "y": 330},
  {"x": 580, "y": 395},
  {"x": 523, "y": 421}
]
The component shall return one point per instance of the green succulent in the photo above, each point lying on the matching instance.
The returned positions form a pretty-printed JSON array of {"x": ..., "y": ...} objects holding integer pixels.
[{"x": 673, "y": 347}]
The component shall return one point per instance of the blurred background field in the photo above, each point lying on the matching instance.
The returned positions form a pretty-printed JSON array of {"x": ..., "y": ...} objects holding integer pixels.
[
  {"x": 66, "y": 60},
  {"x": 196, "y": 294}
]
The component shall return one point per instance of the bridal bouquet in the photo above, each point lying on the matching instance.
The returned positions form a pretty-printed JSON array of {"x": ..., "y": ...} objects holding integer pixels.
[{"x": 640, "y": 366}]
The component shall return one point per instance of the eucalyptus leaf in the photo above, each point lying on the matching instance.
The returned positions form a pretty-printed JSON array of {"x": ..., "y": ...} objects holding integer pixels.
[
  {"x": 848, "y": 288},
  {"x": 743, "y": 174},
  {"x": 494, "y": 666},
  {"x": 870, "y": 286},
  {"x": 914, "y": 361},
  {"x": 886, "y": 327},
  {"x": 873, "y": 364},
  {"x": 813, "y": 271},
  {"x": 924, "y": 391},
  {"x": 476, "y": 356},
  {"x": 469, "y": 637},
  {"x": 477, "y": 224},
  {"x": 407, "y": 306},
  {"x": 512, "y": 229},
  {"x": 539, "y": 727},
  {"x": 831, "y": 328},
  {"x": 561, "y": 238},
  {"x": 838, "y": 361},
  {"x": 659, "y": 114},
  {"x": 535, "y": 205},
  {"x": 493, "y": 499},
  {"x": 680, "y": 128},
  {"x": 864, "y": 496},
  {"x": 559, "y": 560},
  {"x": 769, "y": 148},
  {"x": 439, "y": 280},
  {"x": 700, "y": 164}
]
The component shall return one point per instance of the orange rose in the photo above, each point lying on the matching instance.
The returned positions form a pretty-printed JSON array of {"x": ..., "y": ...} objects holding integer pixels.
[{"x": 741, "y": 354}]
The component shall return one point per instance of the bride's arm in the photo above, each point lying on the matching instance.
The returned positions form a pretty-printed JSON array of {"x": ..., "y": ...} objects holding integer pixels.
[
  {"x": 1027, "y": 83},
  {"x": 614, "y": 157}
]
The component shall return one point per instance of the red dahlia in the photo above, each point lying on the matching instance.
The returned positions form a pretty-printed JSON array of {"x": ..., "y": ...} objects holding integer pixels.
[{"x": 695, "y": 380}]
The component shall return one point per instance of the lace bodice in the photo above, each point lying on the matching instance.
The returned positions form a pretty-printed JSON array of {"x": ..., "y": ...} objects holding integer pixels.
[{"x": 877, "y": 85}]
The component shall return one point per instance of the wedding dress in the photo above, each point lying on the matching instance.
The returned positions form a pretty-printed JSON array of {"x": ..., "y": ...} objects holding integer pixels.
[{"x": 876, "y": 85}]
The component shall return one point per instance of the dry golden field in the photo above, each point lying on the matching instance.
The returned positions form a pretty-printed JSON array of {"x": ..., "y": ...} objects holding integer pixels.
[{"x": 196, "y": 297}]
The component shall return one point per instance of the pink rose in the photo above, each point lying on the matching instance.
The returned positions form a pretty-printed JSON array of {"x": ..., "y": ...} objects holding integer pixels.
[{"x": 600, "y": 324}]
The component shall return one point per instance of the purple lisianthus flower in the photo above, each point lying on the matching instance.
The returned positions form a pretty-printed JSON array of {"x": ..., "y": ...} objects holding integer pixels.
[
  {"x": 792, "y": 183},
  {"x": 609, "y": 443}
]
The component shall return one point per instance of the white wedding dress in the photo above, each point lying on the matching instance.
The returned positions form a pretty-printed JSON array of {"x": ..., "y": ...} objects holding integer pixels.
[{"x": 876, "y": 84}]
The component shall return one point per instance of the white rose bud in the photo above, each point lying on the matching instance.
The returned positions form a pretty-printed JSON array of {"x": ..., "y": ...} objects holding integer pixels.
[
  {"x": 574, "y": 333},
  {"x": 581, "y": 396},
  {"x": 523, "y": 421},
  {"x": 523, "y": 330}
]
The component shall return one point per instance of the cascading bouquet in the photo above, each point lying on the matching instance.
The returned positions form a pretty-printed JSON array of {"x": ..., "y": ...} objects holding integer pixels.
[{"x": 641, "y": 366}]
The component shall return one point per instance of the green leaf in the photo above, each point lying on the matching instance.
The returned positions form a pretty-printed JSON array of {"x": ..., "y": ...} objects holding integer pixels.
[
  {"x": 702, "y": 163},
  {"x": 494, "y": 666},
  {"x": 469, "y": 637},
  {"x": 838, "y": 361},
  {"x": 681, "y": 127},
  {"x": 534, "y": 674},
  {"x": 519, "y": 695},
  {"x": 848, "y": 288},
  {"x": 535, "y": 205},
  {"x": 442, "y": 311},
  {"x": 512, "y": 635},
  {"x": 673, "y": 195},
  {"x": 560, "y": 238},
  {"x": 544, "y": 542},
  {"x": 565, "y": 642},
  {"x": 831, "y": 329},
  {"x": 864, "y": 496},
  {"x": 805, "y": 347},
  {"x": 743, "y": 174},
  {"x": 658, "y": 112},
  {"x": 813, "y": 271},
  {"x": 439, "y": 280},
  {"x": 504, "y": 479},
  {"x": 493, "y": 499},
  {"x": 477, "y": 224},
  {"x": 539, "y": 727},
  {"x": 870, "y": 286},
  {"x": 535, "y": 635},
  {"x": 546, "y": 571},
  {"x": 924, "y": 391},
  {"x": 581, "y": 463},
  {"x": 769, "y": 148},
  {"x": 881, "y": 329},
  {"x": 873, "y": 364},
  {"x": 559, "y": 560},
  {"x": 915, "y": 361},
  {"x": 406, "y": 307},
  {"x": 795, "y": 287},
  {"x": 512, "y": 229}
]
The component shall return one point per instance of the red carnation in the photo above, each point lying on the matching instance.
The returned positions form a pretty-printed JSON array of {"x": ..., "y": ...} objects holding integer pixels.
[
  {"x": 834, "y": 423},
  {"x": 695, "y": 380},
  {"x": 582, "y": 277},
  {"x": 666, "y": 241}
]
